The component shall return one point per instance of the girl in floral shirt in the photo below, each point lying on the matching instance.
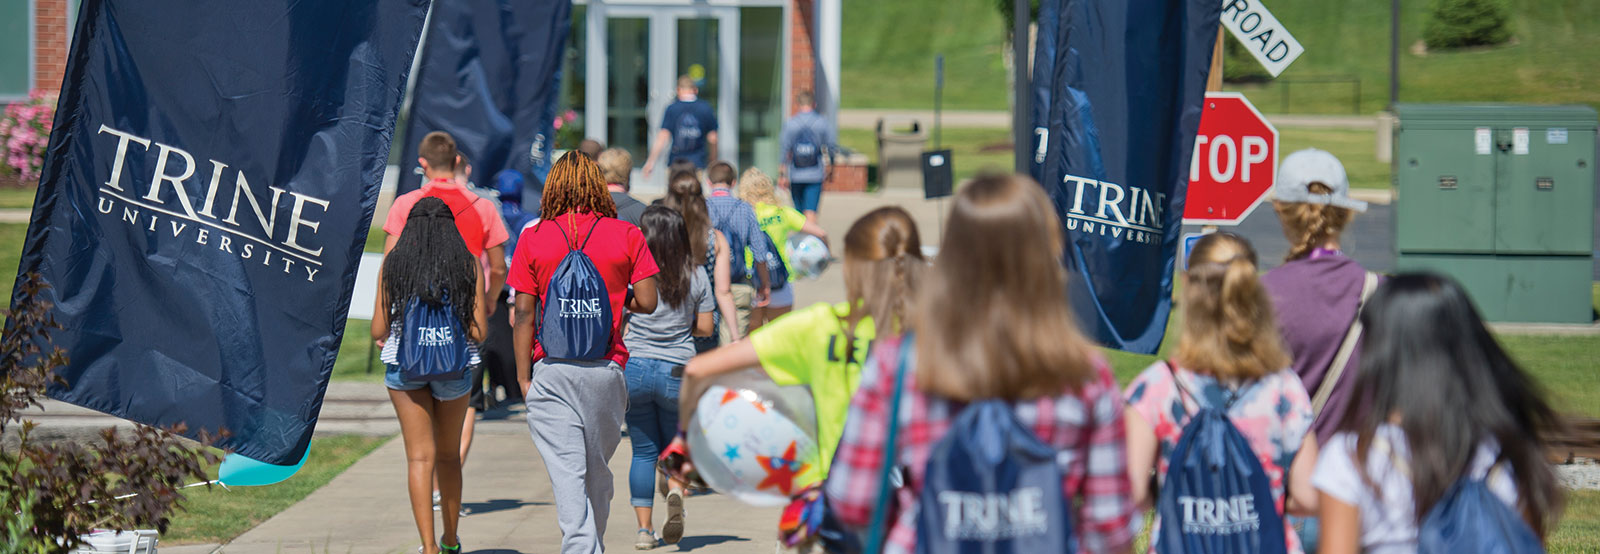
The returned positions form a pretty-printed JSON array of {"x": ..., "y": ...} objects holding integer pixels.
[
  {"x": 1011, "y": 338},
  {"x": 1229, "y": 347}
]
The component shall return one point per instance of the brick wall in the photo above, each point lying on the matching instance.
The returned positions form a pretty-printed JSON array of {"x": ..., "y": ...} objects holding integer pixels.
[
  {"x": 802, "y": 56},
  {"x": 50, "y": 44}
]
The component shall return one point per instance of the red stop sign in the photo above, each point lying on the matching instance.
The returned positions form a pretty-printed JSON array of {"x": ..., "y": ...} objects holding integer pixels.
[{"x": 1235, "y": 161}]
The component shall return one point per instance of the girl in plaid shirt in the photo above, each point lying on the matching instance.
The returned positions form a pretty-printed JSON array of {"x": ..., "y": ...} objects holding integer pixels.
[{"x": 1011, "y": 336}]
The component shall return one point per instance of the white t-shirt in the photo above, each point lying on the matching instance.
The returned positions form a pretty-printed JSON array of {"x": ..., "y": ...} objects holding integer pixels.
[{"x": 1387, "y": 521}]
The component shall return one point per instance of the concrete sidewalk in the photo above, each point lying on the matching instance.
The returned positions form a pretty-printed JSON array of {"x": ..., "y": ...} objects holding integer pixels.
[{"x": 365, "y": 510}]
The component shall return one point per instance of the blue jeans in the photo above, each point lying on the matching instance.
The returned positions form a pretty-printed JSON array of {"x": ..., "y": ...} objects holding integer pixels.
[
  {"x": 652, "y": 422},
  {"x": 806, "y": 196},
  {"x": 1309, "y": 529}
]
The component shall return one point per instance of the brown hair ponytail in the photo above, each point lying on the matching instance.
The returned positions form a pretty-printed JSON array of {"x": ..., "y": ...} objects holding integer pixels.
[
  {"x": 1308, "y": 226},
  {"x": 883, "y": 265},
  {"x": 1228, "y": 326}
]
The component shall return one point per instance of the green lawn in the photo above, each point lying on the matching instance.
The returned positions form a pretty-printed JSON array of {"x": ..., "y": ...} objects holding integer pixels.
[
  {"x": 215, "y": 514},
  {"x": 1556, "y": 46},
  {"x": 12, "y": 236},
  {"x": 353, "y": 351},
  {"x": 1356, "y": 148},
  {"x": 17, "y": 197},
  {"x": 888, "y": 48},
  {"x": 1579, "y": 530}
]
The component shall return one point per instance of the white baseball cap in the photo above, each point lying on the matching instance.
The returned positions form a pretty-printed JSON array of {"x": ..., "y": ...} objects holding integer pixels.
[{"x": 1298, "y": 170}]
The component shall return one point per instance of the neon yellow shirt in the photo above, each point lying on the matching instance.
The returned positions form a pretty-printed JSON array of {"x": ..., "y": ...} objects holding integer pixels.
[
  {"x": 808, "y": 347},
  {"x": 778, "y": 222}
]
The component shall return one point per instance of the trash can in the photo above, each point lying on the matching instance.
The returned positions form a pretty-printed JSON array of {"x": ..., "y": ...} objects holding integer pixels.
[
  {"x": 1501, "y": 197},
  {"x": 900, "y": 154}
]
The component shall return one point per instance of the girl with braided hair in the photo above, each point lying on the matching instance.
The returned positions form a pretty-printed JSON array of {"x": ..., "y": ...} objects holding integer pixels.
[
  {"x": 576, "y": 406},
  {"x": 430, "y": 262},
  {"x": 1318, "y": 289}
]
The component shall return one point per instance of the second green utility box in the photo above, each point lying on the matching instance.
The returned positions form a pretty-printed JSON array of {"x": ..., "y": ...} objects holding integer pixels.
[{"x": 1500, "y": 197}]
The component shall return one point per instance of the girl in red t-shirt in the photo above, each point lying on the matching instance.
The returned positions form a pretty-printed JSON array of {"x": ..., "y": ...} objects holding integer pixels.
[{"x": 576, "y": 407}]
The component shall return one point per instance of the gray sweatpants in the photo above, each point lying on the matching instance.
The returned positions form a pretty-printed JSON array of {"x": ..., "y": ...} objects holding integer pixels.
[{"x": 575, "y": 413}]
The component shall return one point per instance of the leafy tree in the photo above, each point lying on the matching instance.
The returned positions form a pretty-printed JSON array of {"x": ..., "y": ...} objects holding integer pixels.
[
  {"x": 1463, "y": 23},
  {"x": 53, "y": 492}
]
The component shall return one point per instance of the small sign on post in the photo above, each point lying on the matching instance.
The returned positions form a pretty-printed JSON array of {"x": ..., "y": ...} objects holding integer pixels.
[{"x": 1261, "y": 34}]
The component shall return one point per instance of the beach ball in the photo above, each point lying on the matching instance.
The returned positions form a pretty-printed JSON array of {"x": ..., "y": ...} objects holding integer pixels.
[
  {"x": 808, "y": 256},
  {"x": 755, "y": 442}
]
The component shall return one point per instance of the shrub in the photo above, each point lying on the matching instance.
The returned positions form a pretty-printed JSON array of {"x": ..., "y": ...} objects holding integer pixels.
[
  {"x": 55, "y": 492},
  {"x": 24, "y": 134},
  {"x": 1238, "y": 66},
  {"x": 1463, "y": 23}
]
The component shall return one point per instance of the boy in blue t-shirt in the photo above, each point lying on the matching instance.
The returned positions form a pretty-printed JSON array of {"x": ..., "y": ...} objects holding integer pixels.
[{"x": 689, "y": 126}]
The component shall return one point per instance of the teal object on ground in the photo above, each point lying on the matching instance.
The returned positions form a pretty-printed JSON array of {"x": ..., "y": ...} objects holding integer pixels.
[{"x": 241, "y": 471}]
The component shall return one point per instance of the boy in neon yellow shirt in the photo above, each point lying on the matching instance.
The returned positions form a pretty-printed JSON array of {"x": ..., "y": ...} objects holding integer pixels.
[{"x": 778, "y": 222}]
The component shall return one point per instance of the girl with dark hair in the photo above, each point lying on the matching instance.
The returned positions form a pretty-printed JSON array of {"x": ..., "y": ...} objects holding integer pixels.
[
  {"x": 1445, "y": 403},
  {"x": 657, "y": 343},
  {"x": 430, "y": 263},
  {"x": 713, "y": 253},
  {"x": 576, "y": 406},
  {"x": 1231, "y": 357},
  {"x": 1013, "y": 339}
]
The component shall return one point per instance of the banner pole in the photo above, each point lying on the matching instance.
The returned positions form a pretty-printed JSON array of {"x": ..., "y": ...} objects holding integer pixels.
[{"x": 1021, "y": 16}]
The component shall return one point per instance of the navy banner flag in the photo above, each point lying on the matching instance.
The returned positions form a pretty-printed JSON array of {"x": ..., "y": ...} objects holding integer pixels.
[
  {"x": 1117, "y": 91},
  {"x": 205, "y": 198},
  {"x": 490, "y": 75}
]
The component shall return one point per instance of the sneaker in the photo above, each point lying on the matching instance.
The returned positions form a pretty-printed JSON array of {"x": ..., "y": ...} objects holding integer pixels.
[
  {"x": 672, "y": 530},
  {"x": 451, "y": 549},
  {"x": 436, "y": 498},
  {"x": 645, "y": 541}
]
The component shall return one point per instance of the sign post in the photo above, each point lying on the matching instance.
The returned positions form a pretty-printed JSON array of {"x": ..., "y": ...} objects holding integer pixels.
[{"x": 1235, "y": 161}]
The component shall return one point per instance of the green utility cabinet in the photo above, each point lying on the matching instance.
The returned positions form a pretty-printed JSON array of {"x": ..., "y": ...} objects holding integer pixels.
[{"x": 1501, "y": 197}]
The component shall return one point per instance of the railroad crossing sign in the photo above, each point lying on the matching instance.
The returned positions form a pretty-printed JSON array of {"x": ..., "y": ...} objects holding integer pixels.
[{"x": 1235, "y": 161}]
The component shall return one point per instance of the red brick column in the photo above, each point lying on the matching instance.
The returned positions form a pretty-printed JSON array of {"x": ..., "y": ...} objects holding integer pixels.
[
  {"x": 802, "y": 55},
  {"x": 50, "y": 44}
]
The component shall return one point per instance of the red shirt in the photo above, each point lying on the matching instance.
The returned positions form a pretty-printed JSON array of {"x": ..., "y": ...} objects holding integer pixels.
[
  {"x": 617, "y": 248},
  {"x": 479, "y": 223}
]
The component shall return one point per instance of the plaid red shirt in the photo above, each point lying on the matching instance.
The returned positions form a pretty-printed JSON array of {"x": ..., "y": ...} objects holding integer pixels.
[{"x": 1085, "y": 427}]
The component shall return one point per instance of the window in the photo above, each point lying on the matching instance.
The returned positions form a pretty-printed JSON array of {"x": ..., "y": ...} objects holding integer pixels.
[{"x": 16, "y": 49}]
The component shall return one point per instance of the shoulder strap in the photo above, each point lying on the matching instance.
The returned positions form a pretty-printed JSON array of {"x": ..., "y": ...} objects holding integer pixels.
[
  {"x": 1346, "y": 349},
  {"x": 591, "y": 233},
  {"x": 880, "y": 516}
]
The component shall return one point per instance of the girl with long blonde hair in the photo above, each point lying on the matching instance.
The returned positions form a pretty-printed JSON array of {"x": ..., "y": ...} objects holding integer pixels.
[
  {"x": 1011, "y": 338},
  {"x": 1229, "y": 353},
  {"x": 779, "y": 222}
]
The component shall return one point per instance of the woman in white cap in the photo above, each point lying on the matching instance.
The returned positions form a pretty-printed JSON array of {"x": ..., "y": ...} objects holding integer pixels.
[{"x": 1318, "y": 291}]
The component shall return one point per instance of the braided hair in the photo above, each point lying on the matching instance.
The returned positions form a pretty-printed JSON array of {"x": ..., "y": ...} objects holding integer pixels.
[
  {"x": 428, "y": 260},
  {"x": 575, "y": 185}
]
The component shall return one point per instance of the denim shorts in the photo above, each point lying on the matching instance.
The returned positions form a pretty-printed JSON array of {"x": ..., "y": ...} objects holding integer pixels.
[
  {"x": 782, "y": 298},
  {"x": 443, "y": 391}
]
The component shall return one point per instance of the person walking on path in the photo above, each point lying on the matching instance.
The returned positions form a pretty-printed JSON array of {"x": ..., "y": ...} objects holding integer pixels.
[
  {"x": 778, "y": 222},
  {"x": 690, "y": 126},
  {"x": 1228, "y": 349},
  {"x": 430, "y": 265},
  {"x": 616, "y": 167},
  {"x": 658, "y": 343},
  {"x": 1014, "y": 340},
  {"x": 807, "y": 141},
  {"x": 576, "y": 406},
  {"x": 737, "y": 221},
  {"x": 479, "y": 223},
  {"x": 824, "y": 345},
  {"x": 716, "y": 257},
  {"x": 1318, "y": 290},
  {"x": 1442, "y": 402}
]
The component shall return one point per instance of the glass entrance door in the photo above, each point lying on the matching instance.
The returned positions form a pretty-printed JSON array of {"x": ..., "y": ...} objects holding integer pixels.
[{"x": 647, "y": 48}]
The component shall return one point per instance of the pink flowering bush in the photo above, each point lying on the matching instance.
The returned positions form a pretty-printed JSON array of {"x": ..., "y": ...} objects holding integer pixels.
[
  {"x": 24, "y": 134},
  {"x": 569, "y": 131}
]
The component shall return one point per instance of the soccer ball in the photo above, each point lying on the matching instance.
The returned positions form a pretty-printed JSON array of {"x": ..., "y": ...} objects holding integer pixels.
[{"x": 808, "y": 256}]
